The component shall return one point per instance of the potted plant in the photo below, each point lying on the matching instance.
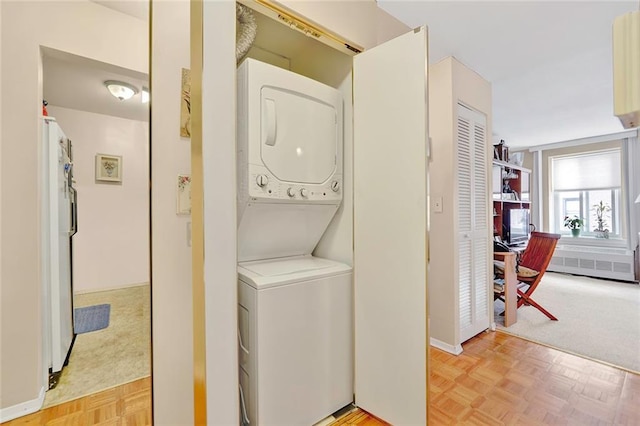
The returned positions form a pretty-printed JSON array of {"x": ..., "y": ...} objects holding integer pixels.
[
  {"x": 601, "y": 231},
  {"x": 574, "y": 223}
]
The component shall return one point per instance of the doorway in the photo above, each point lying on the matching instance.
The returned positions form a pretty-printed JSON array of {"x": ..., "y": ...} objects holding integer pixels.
[{"x": 110, "y": 250}]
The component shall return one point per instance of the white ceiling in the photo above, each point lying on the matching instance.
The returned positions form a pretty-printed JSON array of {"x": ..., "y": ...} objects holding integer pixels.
[
  {"x": 135, "y": 8},
  {"x": 78, "y": 83},
  {"x": 549, "y": 62}
]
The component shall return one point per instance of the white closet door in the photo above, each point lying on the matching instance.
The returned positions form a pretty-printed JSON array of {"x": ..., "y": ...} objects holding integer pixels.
[
  {"x": 390, "y": 229},
  {"x": 473, "y": 220},
  {"x": 483, "y": 227},
  {"x": 465, "y": 225}
]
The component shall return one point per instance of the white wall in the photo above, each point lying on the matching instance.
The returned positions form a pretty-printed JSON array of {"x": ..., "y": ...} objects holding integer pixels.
[
  {"x": 172, "y": 314},
  {"x": 633, "y": 186},
  {"x": 111, "y": 248},
  {"x": 219, "y": 215},
  {"x": 1, "y": 140},
  {"x": 442, "y": 291},
  {"x": 450, "y": 82},
  {"x": 83, "y": 28}
]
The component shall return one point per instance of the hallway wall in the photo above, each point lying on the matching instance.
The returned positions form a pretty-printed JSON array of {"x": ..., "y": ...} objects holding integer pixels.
[
  {"x": 82, "y": 28},
  {"x": 172, "y": 314},
  {"x": 111, "y": 248}
]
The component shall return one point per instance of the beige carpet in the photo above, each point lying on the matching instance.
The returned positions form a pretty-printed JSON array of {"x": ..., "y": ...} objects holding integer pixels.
[
  {"x": 598, "y": 319},
  {"x": 115, "y": 355}
]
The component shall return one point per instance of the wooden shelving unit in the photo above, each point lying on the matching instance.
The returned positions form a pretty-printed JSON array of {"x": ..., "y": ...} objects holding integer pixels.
[{"x": 511, "y": 190}]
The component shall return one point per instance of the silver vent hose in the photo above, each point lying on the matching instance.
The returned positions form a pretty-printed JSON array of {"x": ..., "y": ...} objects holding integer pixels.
[{"x": 245, "y": 31}]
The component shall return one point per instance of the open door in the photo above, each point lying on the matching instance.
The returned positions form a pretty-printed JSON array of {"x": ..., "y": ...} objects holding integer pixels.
[{"x": 390, "y": 229}]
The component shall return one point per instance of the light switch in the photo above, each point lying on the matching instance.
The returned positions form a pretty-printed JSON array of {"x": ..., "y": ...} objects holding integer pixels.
[{"x": 437, "y": 205}]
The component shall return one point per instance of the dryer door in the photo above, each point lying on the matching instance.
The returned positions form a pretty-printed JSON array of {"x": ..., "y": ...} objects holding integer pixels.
[{"x": 299, "y": 136}]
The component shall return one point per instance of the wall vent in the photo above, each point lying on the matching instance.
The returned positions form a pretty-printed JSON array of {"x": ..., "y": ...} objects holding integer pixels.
[
  {"x": 602, "y": 265},
  {"x": 587, "y": 264},
  {"x": 600, "y": 262},
  {"x": 556, "y": 261},
  {"x": 624, "y": 268},
  {"x": 571, "y": 262}
]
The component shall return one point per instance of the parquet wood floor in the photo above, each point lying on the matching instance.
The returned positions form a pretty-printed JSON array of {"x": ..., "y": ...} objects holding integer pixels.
[
  {"x": 498, "y": 380},
  {"x": 124, "y": 405},
  {"x": 359, "y": 417},
  {"x": 503, "y": 380}
]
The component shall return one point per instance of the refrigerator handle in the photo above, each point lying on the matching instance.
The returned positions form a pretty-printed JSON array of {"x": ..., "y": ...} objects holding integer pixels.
[{"x": 74, "y": 212}]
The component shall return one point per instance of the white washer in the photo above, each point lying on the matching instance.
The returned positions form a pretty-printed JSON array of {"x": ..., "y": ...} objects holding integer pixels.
[{"x": 296, "y": 339}]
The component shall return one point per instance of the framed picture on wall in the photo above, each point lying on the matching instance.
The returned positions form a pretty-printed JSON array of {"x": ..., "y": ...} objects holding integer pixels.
[
  {"x": 183, "y": 188},
  {"x": 185, "y": 104},
  {"x": 108, "y": 168}
]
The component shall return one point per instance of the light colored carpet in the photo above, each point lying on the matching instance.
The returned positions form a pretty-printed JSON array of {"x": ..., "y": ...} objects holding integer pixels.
[
  {"x": 598, "y": 319},
  {"x": 112, "y": 356}
]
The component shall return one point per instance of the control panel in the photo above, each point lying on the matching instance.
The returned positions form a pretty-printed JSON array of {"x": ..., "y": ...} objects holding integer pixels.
[{"x": 263, "y": 185}]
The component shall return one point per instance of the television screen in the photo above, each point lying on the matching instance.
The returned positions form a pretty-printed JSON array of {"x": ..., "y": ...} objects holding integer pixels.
[{"x": 516, "y": 224}]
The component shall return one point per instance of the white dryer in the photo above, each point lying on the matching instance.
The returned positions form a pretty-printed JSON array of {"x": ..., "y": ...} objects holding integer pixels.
[
  {"x": 289, "y": 161},
  {"x": 296, "y": 339}
]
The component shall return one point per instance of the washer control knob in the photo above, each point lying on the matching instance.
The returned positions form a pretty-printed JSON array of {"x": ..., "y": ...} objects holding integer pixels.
[
  {"x": 291, "y": 192},
  {"x": 304, "y": 192},
  {"x": 335, "y": 186},
  {"x": 262, "y": 180}
]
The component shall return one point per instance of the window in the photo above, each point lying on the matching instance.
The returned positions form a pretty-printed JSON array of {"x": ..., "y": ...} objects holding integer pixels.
[{"x": 579, "y": 182}]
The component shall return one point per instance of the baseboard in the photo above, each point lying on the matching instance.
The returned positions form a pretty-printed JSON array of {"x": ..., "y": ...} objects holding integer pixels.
[
  {"x": 456, "y": 350},
  {"x": 23, "y": 408},
  {"x": 120, "y": 287},
  {"x": 344, "y": 411}
]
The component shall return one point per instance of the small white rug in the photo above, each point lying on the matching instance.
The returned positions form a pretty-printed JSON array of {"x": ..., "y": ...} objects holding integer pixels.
[{"x": 598, "y": 319}]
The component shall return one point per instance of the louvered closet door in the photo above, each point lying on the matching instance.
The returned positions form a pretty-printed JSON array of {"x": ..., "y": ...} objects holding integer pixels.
[{"x": 473, "y": 223}]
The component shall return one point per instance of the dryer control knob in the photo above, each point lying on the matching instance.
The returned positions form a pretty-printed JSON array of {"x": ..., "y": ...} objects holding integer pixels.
[
  {"x": 291, "y": 192},
  {"x": 335, "y": 186},
  {"x": 262, "y": 180},
  {"x": 304, "y": 192}
]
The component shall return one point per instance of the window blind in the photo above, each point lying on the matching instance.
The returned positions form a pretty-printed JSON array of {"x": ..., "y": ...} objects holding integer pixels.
[{"x": 583, "y": 172}]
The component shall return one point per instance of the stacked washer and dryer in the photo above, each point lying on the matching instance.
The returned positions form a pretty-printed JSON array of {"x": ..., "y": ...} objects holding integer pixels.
[{"x": 295, "y": 310}]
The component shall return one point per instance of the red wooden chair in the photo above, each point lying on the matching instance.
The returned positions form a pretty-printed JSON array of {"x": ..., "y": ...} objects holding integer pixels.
[{"x": 531, "y": 268}]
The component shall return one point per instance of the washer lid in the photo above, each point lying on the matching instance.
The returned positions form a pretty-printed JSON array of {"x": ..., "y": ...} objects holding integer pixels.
[
  {"x": 262, "y": 274},
  {"x": 299, "y": 136}
]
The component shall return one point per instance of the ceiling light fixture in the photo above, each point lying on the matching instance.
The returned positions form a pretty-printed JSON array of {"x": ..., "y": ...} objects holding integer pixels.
[
  {"x": 145, "y": 95},
  {"x": 626, "y": 69},
  {"x": 120, "y": 90}
]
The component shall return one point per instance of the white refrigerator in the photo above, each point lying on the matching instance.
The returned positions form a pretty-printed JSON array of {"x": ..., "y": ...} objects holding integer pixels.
[{"x": 59, "y": 219}]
